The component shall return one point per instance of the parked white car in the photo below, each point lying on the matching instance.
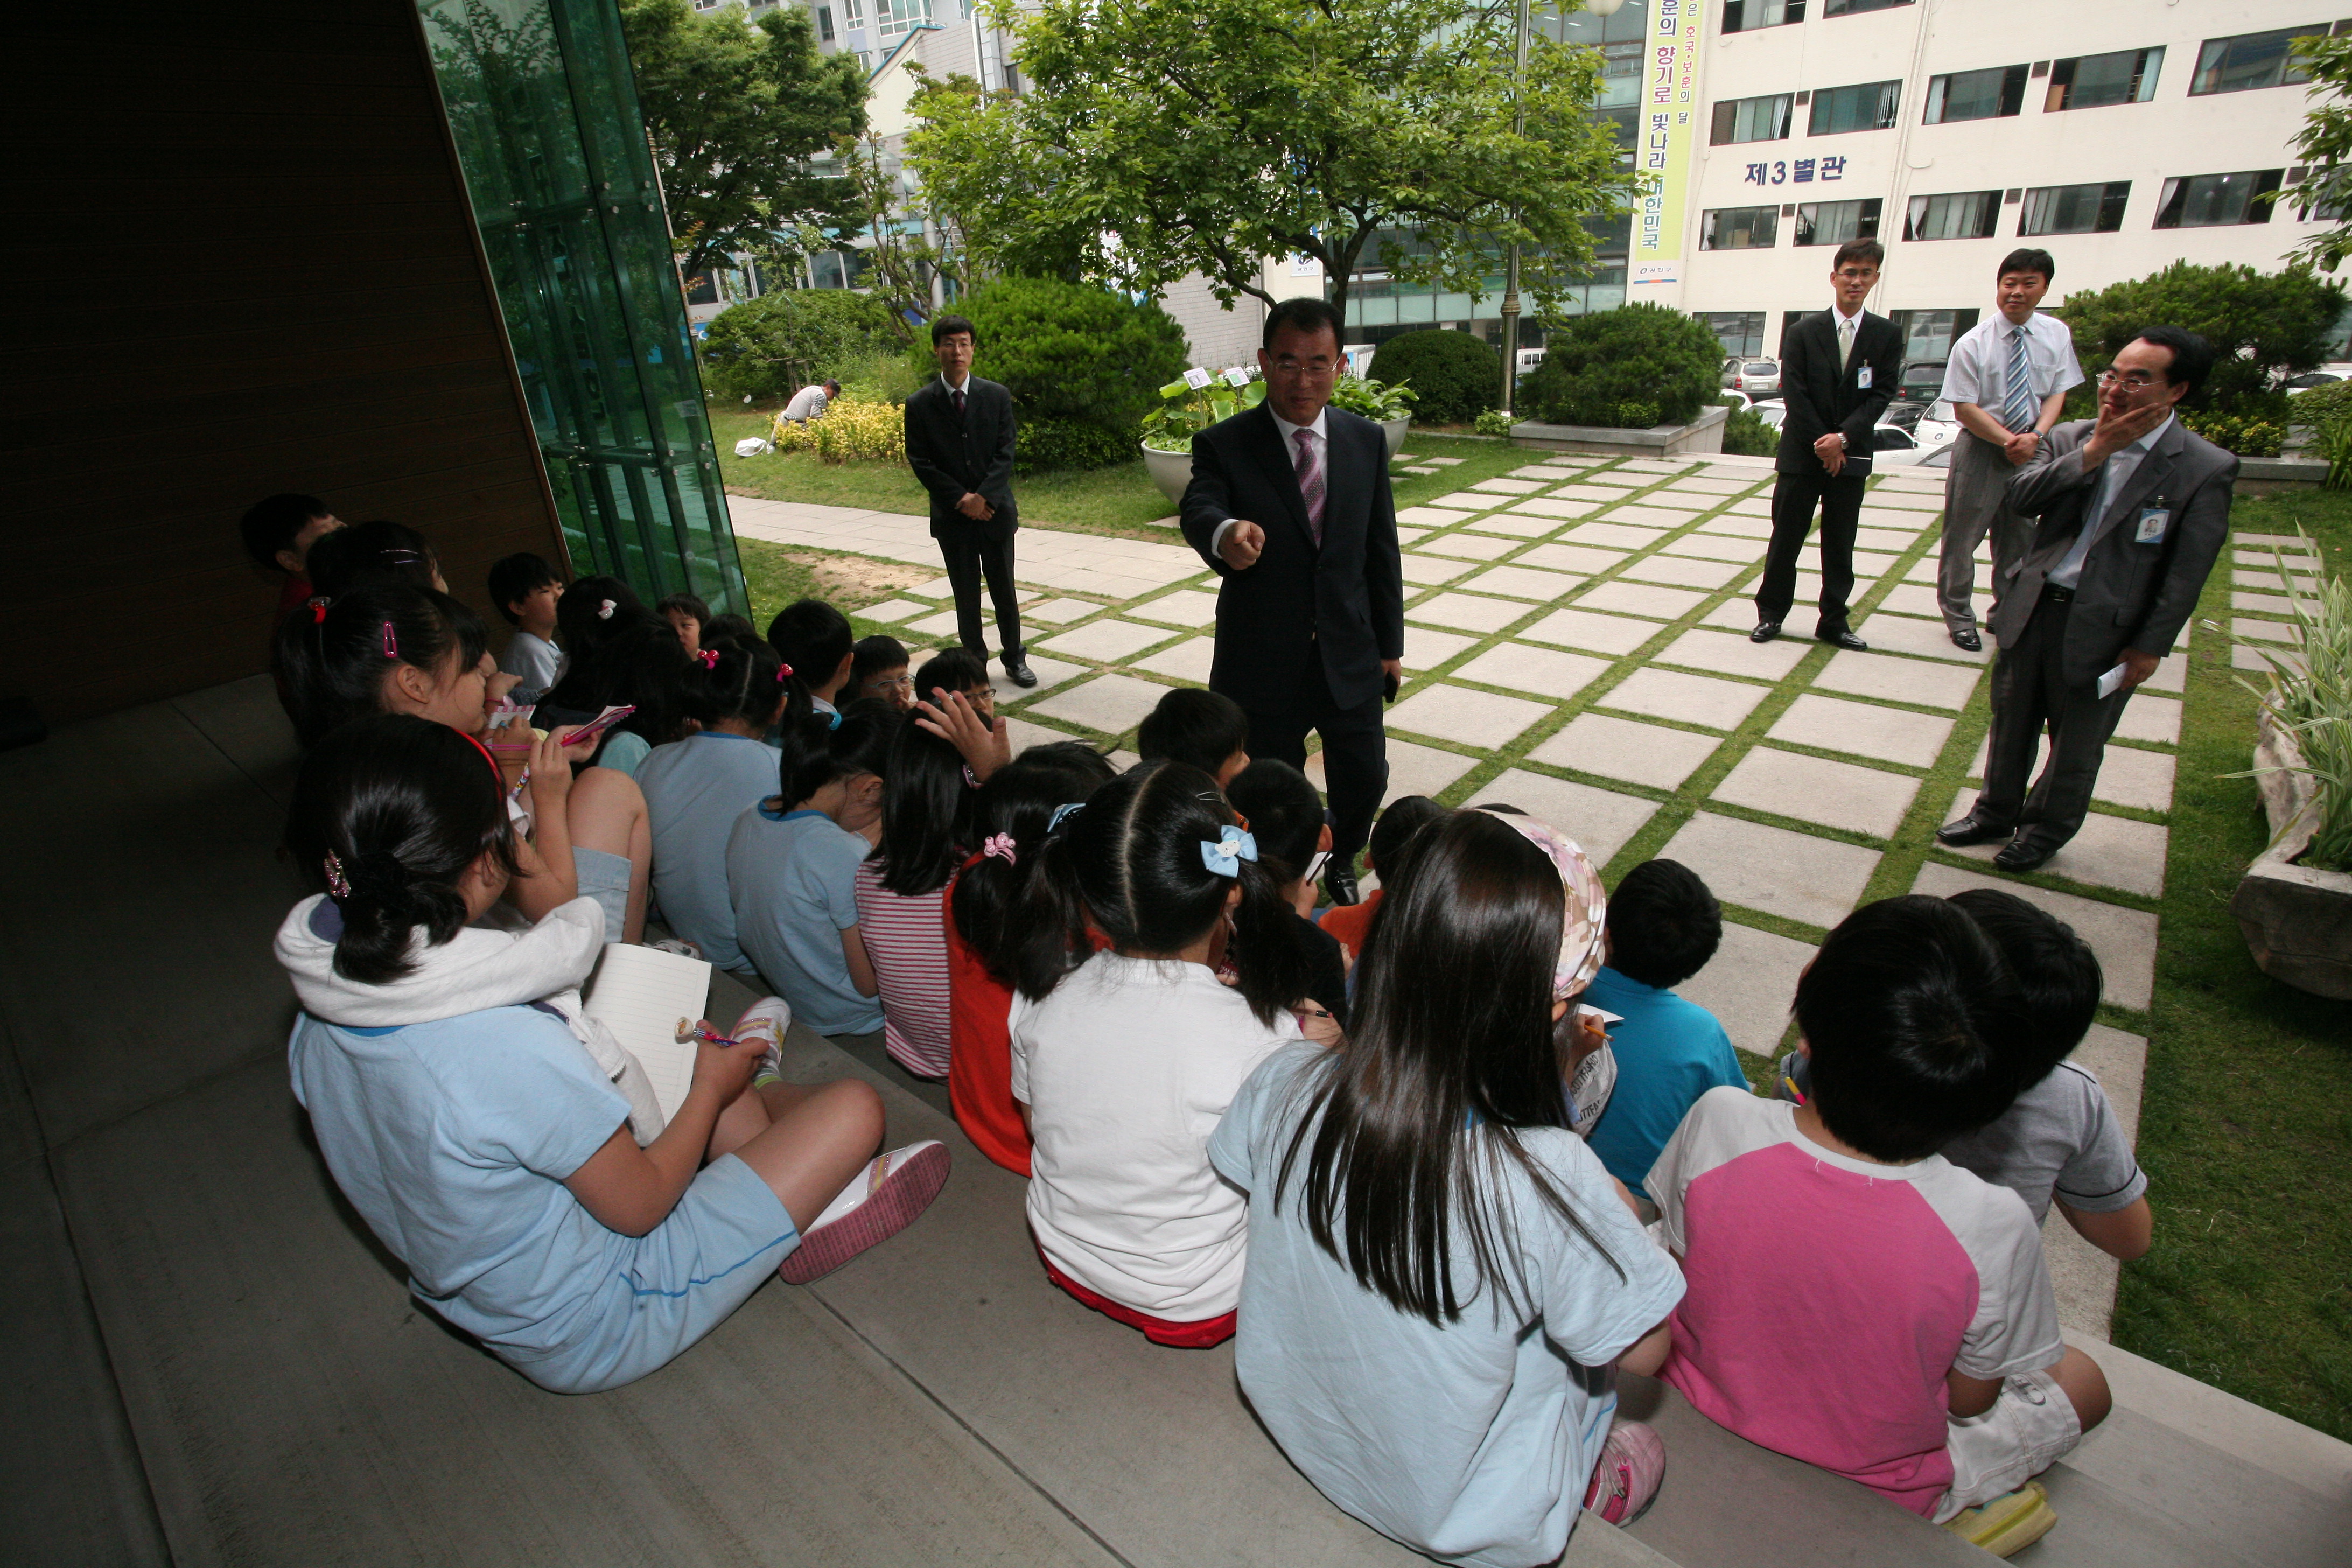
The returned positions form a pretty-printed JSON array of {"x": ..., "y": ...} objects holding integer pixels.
[{"x": 1897, "y": 447}]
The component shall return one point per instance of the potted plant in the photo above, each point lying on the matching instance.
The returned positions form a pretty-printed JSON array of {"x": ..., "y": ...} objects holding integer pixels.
[
  {"x": 1187, "y": 407},
  {"x": 2294, "y": 902},
  {"x": 1387, "y": 404}
]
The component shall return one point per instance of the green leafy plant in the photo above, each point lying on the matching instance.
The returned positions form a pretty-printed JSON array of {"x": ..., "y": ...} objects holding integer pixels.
[
  {"x": 1186, "y": 410},
  {"x": 1455, "y": 376},
  {"x": 2319, "y": 406},
  {"x": 1377, "y": 400},
  {"x": 2335, "y": 442},
  {"x": 774, "y": 345},
  {"x": 1494, "y": 422},
  {"x": 1629, "y": 368},
  {"x": 1744, "y": 434},
  {"x": 2249, "y": 438},
  {"x": 2309, "y": 695},
  {"x": 1069, "y": 351}
]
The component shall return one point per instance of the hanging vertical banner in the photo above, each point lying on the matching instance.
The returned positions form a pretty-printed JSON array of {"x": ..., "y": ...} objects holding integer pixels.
[{"x": 1669, "y": 117}]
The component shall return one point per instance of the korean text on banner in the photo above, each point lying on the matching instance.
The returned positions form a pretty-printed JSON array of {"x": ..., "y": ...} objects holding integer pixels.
[{"x": 1669, "y": 116}]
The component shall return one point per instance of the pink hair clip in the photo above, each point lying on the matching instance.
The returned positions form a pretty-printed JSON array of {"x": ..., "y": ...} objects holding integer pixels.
[
  {"x": 1000, "y": 846},
  {"x": 707, "y": 658},
  {"x": 604, "y": 608},
  {"x": 319, "y": 610},
  {"x": 390, "y": 643},
  {"x": 783, "y": 671},
  {"x": 338, "y": 885}
]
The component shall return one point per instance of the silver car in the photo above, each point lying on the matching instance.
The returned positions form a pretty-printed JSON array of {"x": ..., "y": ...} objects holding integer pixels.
[{"x": 1758, "y": 377}]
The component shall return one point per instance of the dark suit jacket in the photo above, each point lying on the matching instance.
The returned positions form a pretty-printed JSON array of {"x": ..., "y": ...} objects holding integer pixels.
[
  {"x": 1343, "y": 603},
  {"x": 1822, "y": 398},
  {"x": 967, "y": 456},
  {"x": 2130, "y": 594}
]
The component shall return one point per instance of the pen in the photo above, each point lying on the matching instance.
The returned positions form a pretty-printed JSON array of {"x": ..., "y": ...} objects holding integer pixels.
[{"x": 688, "y": 1030}]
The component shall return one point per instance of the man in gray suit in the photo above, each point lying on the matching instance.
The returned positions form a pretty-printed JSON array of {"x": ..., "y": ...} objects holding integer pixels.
[{"x": 2131, "y": 510}]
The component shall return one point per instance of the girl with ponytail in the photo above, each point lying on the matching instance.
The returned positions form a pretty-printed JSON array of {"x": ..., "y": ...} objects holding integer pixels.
[
  {"x": 500, "y": 1143},
  {"x": 1127, "y": 1058}
]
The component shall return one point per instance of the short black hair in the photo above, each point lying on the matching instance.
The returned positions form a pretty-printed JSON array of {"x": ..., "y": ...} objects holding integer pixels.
[
  {"x": 691, "y": 604},
  {"x": 1286, "y": 815},
  {"x": 2192, "y": 356},
  {"x": 877, "y": 652},
  {"x": 518, "y": 576},
  {"x": 378, "y": 551},
  {"x": 1907, "y": 1009},
  {"x": 1191, "y": 725},
  {"x": 719, "y": 627},
  {"x": 270, "y": 524},
  {"x": 1868, "y": 250},
  {"x": 1306, "y": 313},
  {"x": 2027, "y": 258},
  {"x": 954, "y": 668},
  {"x": 813, "y": 637},
  {"x": 1400, "y": 820},
  {"x": 1664, "y": 924},
  {"x": 831, "y": 386},
  {"x": 2054, "y": 968},
  {"x": 948, "y": 326}
]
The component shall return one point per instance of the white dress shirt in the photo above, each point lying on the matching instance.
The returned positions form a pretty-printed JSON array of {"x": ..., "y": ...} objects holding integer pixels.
[
  {"x": 1978, "y": 370},
  {"x": 2114, "y": 474},
  {"x": 1321, "y": 431}
]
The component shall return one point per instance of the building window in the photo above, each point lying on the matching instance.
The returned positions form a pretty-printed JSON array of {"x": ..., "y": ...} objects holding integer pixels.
[
  {"x": 2251, "y": 60},
  {"x": 1929, "y": 334},
  {"x": 1742, "y": 332},
  {"x": 853, "y": 13},
  {"x": 1751, "y": 120},
  {"x": 1747, "y": 16},
  {"x": 1869, "y": 107},
  {"x": 1963, "y": 215},
  {"x": 824, "y": 24},
  {"x": 2095, "y": 81},
  {"x": 2075, "y": 209},
  {"x": 1621, "y": 75},
  {"x": 1851, "y": 7},
  {"x": 1975, "y": 95},
  {"x": 1738, "y": 228},
  {"x": 896, "y": 18},
  {"x": 1834, "y": 223},
  {"x": 2211, "y": 201}
]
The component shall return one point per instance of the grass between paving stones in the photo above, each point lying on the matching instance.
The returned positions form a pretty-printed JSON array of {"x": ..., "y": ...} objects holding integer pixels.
[{"x": 2246, "y": 1126}]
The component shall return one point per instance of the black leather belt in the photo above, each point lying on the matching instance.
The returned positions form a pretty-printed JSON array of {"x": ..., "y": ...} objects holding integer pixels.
[{"x": 2051, "y": 593}]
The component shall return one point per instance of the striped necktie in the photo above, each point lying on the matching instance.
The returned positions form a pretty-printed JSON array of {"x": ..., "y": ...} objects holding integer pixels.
[
  {"x": 1309, "y": 469},
  {"x": 2019, "y": 409}
]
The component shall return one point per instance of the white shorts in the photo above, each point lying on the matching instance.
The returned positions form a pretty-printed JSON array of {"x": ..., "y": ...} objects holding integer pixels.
[{"x": 2031, "y": 1427}]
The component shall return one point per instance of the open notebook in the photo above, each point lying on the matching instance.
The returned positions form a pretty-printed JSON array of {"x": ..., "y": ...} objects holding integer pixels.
[{"x": 640, "y": 993}]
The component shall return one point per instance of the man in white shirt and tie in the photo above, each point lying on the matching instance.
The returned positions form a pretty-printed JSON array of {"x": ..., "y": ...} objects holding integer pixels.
[{"x": 2007, "y": 381}]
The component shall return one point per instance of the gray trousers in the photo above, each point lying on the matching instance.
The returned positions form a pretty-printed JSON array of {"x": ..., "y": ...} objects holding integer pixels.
[
  {"x": 1976, "y": 501},
  {"x": 2029, "y": 693}
]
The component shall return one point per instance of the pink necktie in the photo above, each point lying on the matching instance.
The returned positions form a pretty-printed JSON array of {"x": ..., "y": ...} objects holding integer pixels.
[{"x": 1310, "y": 482}]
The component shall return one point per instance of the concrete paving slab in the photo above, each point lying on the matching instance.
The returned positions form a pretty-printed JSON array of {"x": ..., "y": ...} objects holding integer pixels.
[
  {"x": 1468, "y": 546},
  {"x": 1472, "y": 717},
  {"x": 1539, "y": 672},
  {"x": 1648, "y": 515},
  {"x": 1751, "y": 985},
  {"x": 1616, "y": 748},
  {"x": 1887, "y": 539},
  {"x": 1733, "y": 655},
  {"x": 1188, "y": 660},
  {"x": 1024, "y": 734},
  {"x": 1654, "y": 465},
  {"x": 2248, "y": 629},
  {"x": 1050, "y": 672},
  {"x": 1793, "y": 875},
  {"x": 1413, "y": 769},
  {"x": 1619, "y": 476},
  {"x": 1408, "y": 537},
  {"x": 1715, "y": 547},
  {"x": 2107, "y": 851},
  {"x": 1431, "y": 516},
  {"x": 894, "y": 611},
  {"x": 1916, "y": 680},
  {"x": 937, "y": 588},
  {"x": 1904, "y": 634},
  {"x": 1187, "y": 608},
  {"x": 1686, "y": 699},
  {"x": 1589, "y": 491},
  {"x": 1526, "y": 582},
  {"x": 1110, "y": 703},
  {"x": 1105, "y": 641},
  {"x": 2262, "y": 604},
  {"x": 1814, "y": 789},
  {"x": 1519, "y": 522},
  {"x": 1600, "y": 820},
  {"x": 1430, "y": 570},
  {"x": 1684, "y": 572},
  {"x": 1549, "y": 472},
  {"x": 1578, "y": 627},
  {"x": 1925, "y": 569},
  {"x": 1611, "y": 536},
  {"x": 943, "y": 625},
  {"x": 1059, "y": 612},
  {"x": 1912, "y": 599},
  {"x": 1738, "y": 614},
  {"x": 2247, "y": 577},
  {"x": 1703, "y": 484},
  {"x": 2149, "y": 717},
  {"x": 2123, "y": 939},
  {"x": 1557, "y": 506},
  {"x": 1467, "y": 501},
  {"x": 1752, "y": 506},
  {"x": 2249, "y": 658},
  {"x": 1641, "y": 599},
  {"x": 2128, "y": 775},
  {"x": 1737, "y": 524},
  {"x": 1508, "y": 487},
  {"x": 1905, "y": 498},
  {"x": 1426, "y": 650},
  {"x": 1581, "y": 559},
  {"x": 1471, "y": 612},
  {"x": 1863, "y": 730}
]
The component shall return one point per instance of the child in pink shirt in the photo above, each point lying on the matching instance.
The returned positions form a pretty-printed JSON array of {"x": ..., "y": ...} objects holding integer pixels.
[{"x": 1856, "y": 1300}]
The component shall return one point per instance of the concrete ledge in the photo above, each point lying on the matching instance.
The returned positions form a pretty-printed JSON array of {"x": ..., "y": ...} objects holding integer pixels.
[{"x": 1704, "y": 433}]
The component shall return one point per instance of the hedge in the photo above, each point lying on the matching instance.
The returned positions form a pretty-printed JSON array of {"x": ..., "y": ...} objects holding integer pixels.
[
  {"x": 1455, "y": 376},
  {"x": 1629, "y": 368}
]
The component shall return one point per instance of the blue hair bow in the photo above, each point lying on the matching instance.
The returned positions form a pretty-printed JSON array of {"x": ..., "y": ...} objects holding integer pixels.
[
  {"x": 1232, "y": 846},
  {"x": 833, "y": 720}
]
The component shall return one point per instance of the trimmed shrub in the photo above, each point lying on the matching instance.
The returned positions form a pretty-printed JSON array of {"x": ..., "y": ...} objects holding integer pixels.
[
  {"x": 2262, "y": 324},
  {"x": 1494, "y": 422},
  {"x": 852, "y": 429},
  {"x": 2247, "y": 437},
  {"x": 2320, "y": 406},
  {"x": 1070, "y": 352},
  {"x": 1455, "y": 376},
  {"x": 1627, "y": 369},
  {"x": 1050, "y": 443},
  {"x": 1744, "y": 434},
  {"x": 774, "y": 345}
]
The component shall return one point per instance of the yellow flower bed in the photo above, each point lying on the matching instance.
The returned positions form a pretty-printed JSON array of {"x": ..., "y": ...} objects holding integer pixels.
[{"x": 852, "y": 428}]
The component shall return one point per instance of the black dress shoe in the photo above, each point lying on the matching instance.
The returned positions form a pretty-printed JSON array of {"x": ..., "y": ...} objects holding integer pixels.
[
  {"x": 1340, "y": 882},
  {"x": 2022, "y": 854},
  {"x": 1967, "y": 640},
  {"x": 1017, "y": 670},
  {"x": 1971, "y": 829},
  {"x": 1765, "y": 631},
  {"x": 1843, "y": 640}
]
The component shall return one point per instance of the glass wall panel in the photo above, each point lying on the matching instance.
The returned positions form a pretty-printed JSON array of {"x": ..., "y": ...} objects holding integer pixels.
[{"x": 543, "y": 112}]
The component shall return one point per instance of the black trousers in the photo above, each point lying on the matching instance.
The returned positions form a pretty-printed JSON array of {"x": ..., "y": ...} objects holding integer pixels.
[
  {"x": 1355, "y": 754},
  {"x": 1793, "y": 498},
  {"x": 969, "y": 554},
  {"x": 2029, "y": 693}
]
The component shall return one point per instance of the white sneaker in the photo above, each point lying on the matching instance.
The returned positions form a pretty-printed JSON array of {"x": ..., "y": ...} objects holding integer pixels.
[
  {"x": 763, "y": 1024},
  {"x": 881, "y": 1202}
]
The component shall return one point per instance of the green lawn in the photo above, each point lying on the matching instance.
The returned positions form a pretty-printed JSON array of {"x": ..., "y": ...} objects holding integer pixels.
[{"x": 2246, "y": 1127}]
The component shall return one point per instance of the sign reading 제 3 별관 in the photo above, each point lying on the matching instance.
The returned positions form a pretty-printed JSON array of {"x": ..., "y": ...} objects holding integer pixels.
[{"x": 1668, "y": 118}]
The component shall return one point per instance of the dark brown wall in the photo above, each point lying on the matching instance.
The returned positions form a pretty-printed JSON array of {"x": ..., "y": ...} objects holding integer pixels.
[{"x": 236, "y": 258}]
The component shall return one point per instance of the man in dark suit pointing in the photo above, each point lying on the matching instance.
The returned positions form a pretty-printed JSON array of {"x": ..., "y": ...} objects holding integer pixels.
[
  {"x": 1838, "y": 371},
  {"x": 1289, "y": 502},
  {"x": 960, "y": 444}
]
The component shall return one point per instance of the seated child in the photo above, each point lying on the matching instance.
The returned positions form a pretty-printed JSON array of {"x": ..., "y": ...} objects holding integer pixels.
[
  {"x": 278, "y": 533},
  {"x": 697, "y": 787},
  {"x": 902, "y": 891},
  {"x": 468, "y": 1113},
  {"x": 1401, "y": 819},
  {"x": 1206, "y": 729},
  {"x": 1008, "y": 816},
  {"x": 594, "y": 609},
  {"x": 877, "y": 668},
  {"x": 525, "y": 589},
  {"x": 1286, "y": 816},
  {"x": 1433, "y": 1257},
  {"x": 956, "y": 670},
  {"x": 791, "y": 868},
  {"x": 1663, "y": 926},
  {"x": 1127, "y": 1058},
  {"x": 689, "y": 617},
  {"x": 640, "y": 667},
  {"x": 1855, "y": 1299},
  {"x": 817, "y": 646},
  {"x": 377, "y": 551}
]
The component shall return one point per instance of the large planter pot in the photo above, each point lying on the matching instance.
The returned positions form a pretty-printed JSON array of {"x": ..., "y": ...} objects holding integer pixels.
[
  {"x": 1172, "y": 471},
  {"x": 2297, "y": 919},
  {"x": 1394, "y": 430}
]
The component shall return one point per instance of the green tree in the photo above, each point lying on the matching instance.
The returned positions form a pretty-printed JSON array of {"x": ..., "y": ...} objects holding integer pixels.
[
  {"x": 735, "y": 113},
  {"x": 2326, "y": 143},
  {"x": 774, "y": 345},
  {"x": 2262, "y": 324},
  {"x": 1158, "y": 140}
]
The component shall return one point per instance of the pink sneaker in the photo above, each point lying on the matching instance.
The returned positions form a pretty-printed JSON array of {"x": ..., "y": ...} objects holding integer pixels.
[
  {"x": 1626, "y": 1481},
  {"x": 881, "y": 1202}
]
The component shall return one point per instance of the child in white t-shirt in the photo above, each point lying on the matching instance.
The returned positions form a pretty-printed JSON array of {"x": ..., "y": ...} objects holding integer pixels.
[
  {"x": 1127, "y": 1059},
  {"x": 525, "y": 589}
]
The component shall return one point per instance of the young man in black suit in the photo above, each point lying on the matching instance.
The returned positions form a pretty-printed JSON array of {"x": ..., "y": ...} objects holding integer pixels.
[
  {"x": 1838, "y": 371},
  {"x": 960, "y": 444},
  {"x": 1289, "y": 502}
]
